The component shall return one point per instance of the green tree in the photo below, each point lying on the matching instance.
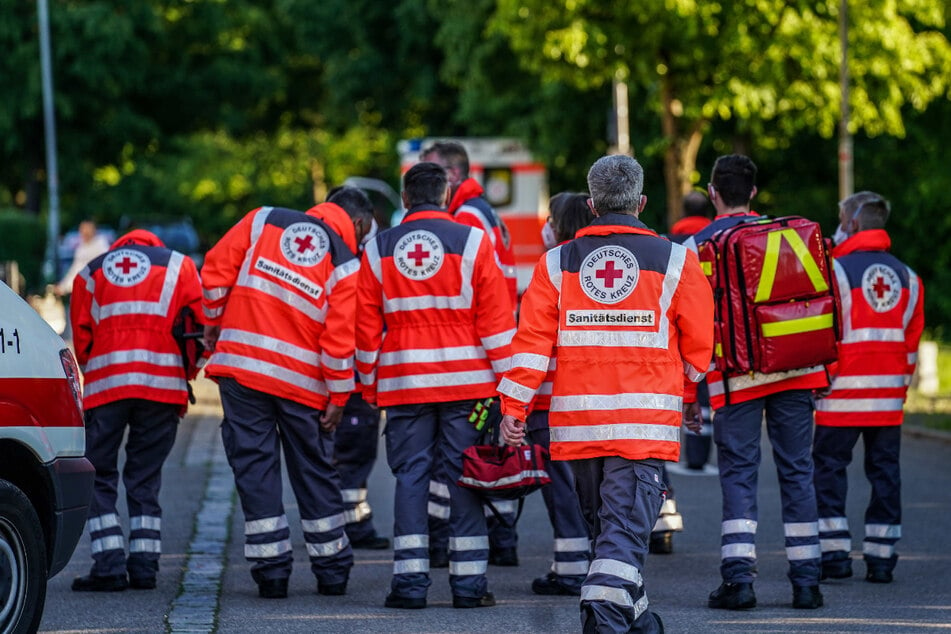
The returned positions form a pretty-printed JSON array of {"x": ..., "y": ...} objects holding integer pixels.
[{"x": 770, "y": 64}]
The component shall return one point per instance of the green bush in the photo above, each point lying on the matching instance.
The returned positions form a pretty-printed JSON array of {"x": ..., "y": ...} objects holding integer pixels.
[{"x": 23, "y": 239}]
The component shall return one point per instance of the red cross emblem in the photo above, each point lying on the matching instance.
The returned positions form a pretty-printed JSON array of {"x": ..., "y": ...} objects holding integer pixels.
[
  {"x": 418, "y": 254},
  {"x": 126, "y": 265},
  {"x": 880, "y": 287},
  {"x": 305, "y": 244},
  {"x": 609, "y": 274}
]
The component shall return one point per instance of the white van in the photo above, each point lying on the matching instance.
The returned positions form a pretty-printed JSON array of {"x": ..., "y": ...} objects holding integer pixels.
[{"x": 45, "y": 480}]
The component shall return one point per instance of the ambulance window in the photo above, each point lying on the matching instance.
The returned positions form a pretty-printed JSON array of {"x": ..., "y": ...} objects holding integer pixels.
[{"x": 498, "y": 186}]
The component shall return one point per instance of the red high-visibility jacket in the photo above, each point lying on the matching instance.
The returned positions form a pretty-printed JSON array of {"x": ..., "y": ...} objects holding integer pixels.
[
  {"x": 629, "y": 315},
  {"x": 470, "y": 208},
  {"x": 122, "y": 309},
  {"x": 282, "y": 286},
  {"x": 882, "y": 317},
  {"x": 433, "y": 287},
  {"x": 753, "y": 385}
]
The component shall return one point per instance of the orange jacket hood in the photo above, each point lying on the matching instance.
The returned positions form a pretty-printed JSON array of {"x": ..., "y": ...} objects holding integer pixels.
[
  {"x": 338, "y": 219},
  {"x": 140, "y": 237}
]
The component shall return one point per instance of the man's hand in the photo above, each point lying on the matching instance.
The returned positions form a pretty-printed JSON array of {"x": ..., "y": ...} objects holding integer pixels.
[
  {"x": 211, "y": 337},
  {"x": 513, "y": 431},
  {"x": 331, "y": 417},
  {"x": 691, "y": 418}
]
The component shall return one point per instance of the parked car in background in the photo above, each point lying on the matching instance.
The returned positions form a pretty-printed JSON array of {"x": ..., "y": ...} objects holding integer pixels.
[{"x": 45, "y": 480}]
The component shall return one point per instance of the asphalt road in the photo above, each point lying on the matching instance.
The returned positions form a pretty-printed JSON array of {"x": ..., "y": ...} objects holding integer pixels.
[{"x": 197, "y": 498}]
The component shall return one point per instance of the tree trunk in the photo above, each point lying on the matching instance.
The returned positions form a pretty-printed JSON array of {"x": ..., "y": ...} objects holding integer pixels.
[{"x": 680, "y": 156}]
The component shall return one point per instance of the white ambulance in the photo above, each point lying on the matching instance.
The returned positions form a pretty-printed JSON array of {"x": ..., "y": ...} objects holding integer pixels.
[
  {"x": 45, "y": 480},
  {"x": 515, "y": 185}
]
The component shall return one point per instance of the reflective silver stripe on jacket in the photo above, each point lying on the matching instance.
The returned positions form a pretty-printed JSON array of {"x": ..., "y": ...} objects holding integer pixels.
[
  {"x": 440, "y": 380},
  {"x": 860, "y": 405},
  {"x": 801, "y": 529},
  {"x": 266, "y": 551},
  {"x": 285, "y": 295},
  {"x": 693, "y": 374},
  {"x": 324, "y": 524},
  {"x": 137, "y": 379},
  {"x": 530, "y": 361},
  {"x": 432, "y": 355},
  {"x": 272, "y": 370},
  {"x": 617, "y": 431},
  {"x": 159, "y": 307},
  {"x": 367, "y": 356},
  {"x": 868, "y": 382},
  {"x": 372, "y": 253},
  {"x": 865, "y": 335},
  {"x": 497, "y": 341},
  {"x": 265, "y": 525},
  {"x": 913, "y": 291},
  {"x": 519, "y": 392},
  {"x": 405, "y": 542},
  {"x": 214, "y": 294},
  {"x": 610, "y": 402},
  {"x": 730, "y": 527},
  {"x": 145, "y": 522},
  {"x": 138, "y": 355},
  {"x": 336, "y": 363},
  {"x": 342, "y": 272},
  {"x": 553, "y": 266}
]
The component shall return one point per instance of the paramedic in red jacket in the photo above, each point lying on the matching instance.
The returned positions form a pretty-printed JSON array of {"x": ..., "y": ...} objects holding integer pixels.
[
  {"x": 123, "y": 308},
  {"x": 786, "y": 399},
  {"x": 881, "y": 317},
  {"x": 279, "y": 298},
  {"x": 432, "y": 286},
  {"x": 628, "y": 315},
  {"x": 469, "y": 206}
]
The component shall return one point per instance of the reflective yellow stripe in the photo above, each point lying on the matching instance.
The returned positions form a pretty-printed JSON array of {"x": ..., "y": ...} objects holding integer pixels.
[
  {"x": 774, "y": 241},
  {"x": 797, "y": 326},
  {"x": 707, "y": 268},
  {"x": 718, "y": 349}
]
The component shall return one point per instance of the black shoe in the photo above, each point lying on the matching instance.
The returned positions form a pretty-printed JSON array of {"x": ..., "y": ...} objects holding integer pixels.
[
  {"x": 373, "y": 542},
  {"x": 874, "y": 575},
  {"x": 404, "y": 603},
  {"x": 272, "y": 588},
  {"x": 806, "y": 597},
  {"x": 142, "y": 583},
  {"x": 96, "y": 583},
  {"x": 836, "y": 569},
  {"x": 487, "y": 600},
  {"x": 550, "y": 584},
  {"x": 332, "y": 589},
  {"x": 438, "y": 558},
  {"x": 733, "y": 596},
  {"x": 503, "y": 557},
  {"x": 662, "y": 543}
]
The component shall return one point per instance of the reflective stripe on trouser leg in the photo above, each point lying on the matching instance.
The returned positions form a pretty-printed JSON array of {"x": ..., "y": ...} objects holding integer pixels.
[
  {"x": 883, "y": 515},
  {"x": 626, "y": 495},
  {"x": 309, "y": 452},
  {"x": 250, "y": 439},
  {"x": 438, "y": 509},
  {"x": 789, "y": 423},
  {"x": 355, "y": 450},
  {"x": 151, "y": 437},
  {"x": 572, "y": 547},
  {"x": 105, "y": 427},
  {"x": 831, "y": 454},
  {"x": 410, "y": 445},
  {"x": 736, "y": 431},
  {"x": 468, "y": 540}
]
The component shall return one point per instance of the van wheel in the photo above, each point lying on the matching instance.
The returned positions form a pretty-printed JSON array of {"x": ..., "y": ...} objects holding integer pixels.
[{"x": 22, "y": 562}]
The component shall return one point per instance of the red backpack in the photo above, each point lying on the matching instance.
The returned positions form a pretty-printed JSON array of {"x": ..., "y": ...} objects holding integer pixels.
[{"x": 773, "y": 293}]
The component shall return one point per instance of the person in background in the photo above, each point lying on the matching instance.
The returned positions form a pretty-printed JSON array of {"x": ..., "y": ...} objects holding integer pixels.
[
  {"x": 881, "y": 303},
  {"x": 280, "y": 302},
  {"x": 627, "y": 314},
  {"x": 697, "y": 214},
  {"x": 91, "y": 244},
  {"x": 432, "y": 286},
  {"x": 125, "y": 303},
  {"x": 572, "y": 547}
]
